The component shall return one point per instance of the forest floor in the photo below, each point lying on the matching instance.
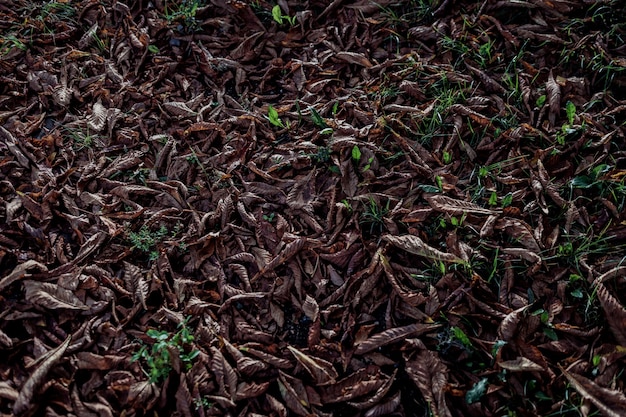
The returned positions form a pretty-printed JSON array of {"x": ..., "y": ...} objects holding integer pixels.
[{"x": 312, "y": 208}]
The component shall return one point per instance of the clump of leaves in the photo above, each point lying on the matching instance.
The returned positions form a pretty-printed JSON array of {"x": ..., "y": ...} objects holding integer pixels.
[{"x": 157, "y": 358}]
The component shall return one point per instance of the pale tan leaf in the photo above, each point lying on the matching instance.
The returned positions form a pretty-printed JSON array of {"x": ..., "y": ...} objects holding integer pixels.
[
  {"x": 310, "y": 308},
  {"x": 5, "y": 340},
  {"x": 96, "y": 121},
  {"x": 322, "y": 371},
  {"x": 614, "y": 312},
  {"x": 353, "y": 58},
  {"x": 23, "y": 403},
  {"x": 135, "y": 282},
  {"x": 456, "y": 207},
  {"x": 52, "y": 296},
  {"x": 394, "y": 335},
  {"x": 62, "y": 95},
  {"x": 176, "y": 108},
  {"x": 521, "y": 364},
  {"x": 8, "y": 392},
  {"x": 20, "y": 271},
  {"x": 416, "y": 246},
  {"x": 612, "y": 403},
  {"x": 553, "y": 91}
]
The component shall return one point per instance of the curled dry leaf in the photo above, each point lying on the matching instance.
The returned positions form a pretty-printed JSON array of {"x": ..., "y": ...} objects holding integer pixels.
[
  {"x": 20, "y": 271},
  {"x": 294, "y": 394},
  {"x": 521, "y": 364},
  {"x": 553, "y": 91},
  {"x": 416, "y": 246},
  {"x": 456, "y": 207},
  {"x": 430, "y": 376},
  {"x": 612, "y": 403},
  {"x": 394, "y": 335},
  {"x": 322, "y": 371},
  {"x": 614, "y": 312},
  {"x": 52, "y": 296},
  {"x": 24, "y": 401}
]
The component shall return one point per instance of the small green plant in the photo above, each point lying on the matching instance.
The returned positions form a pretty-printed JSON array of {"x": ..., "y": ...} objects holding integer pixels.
[
  {"x": 374, "y": 215},
  {"x": 146, "y": 240},
  {"x": 157, "y": 358},
  {"x": 269, "y": 217},
  {"x": 203, "y": 403},
  {"x": 183, "y": 12},
  {"x": 279, "y": 17},
  {"x": 274, "y": 118},
  {"x": 9, "y": 42},
  {"x": 568, "y": 129},
  {"x": 356, "y": 154},
  {"x": 477, "y": 391}
]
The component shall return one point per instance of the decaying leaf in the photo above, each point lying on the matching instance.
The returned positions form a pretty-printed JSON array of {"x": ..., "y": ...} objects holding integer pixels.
[
  {"x": 322, "y": 371},
  {"x": 24, "y": 401},
  {"x": 393, "y": 335},
  {"x": 611, "y": 403},
  {"x": 416, "y": 246}
]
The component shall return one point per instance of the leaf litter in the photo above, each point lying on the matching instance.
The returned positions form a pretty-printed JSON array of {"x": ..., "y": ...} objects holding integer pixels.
[{"x": 312, "y": 208}]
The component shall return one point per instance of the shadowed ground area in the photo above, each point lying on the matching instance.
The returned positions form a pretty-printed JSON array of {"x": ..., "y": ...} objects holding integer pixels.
[{"x": 312, "y": 208}]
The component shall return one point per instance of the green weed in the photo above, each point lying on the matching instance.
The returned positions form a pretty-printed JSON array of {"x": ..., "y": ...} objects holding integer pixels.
[
  {"x": 157, "y": 358},
  {"x": 279, "y": 17},
  {"x": 146, "y": 240},
  {"x": 374, "y": 215}
]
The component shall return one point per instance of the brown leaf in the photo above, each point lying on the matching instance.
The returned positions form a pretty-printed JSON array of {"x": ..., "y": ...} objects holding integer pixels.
[
  {"x": 24, "y": 403},
  {"x": 353, "y": 58},
  {"x": 455, "y": 207},
  {"x": 356, "y": 385},
  {"x": 509, "y": 326},
  {"x": 52, "y": 296},
  {"x": 612, "y": 403},
  {"x": 430, "y": 375},
  {"x": 416, "y": 246},
  {"x": 614, "y": 312},
  {"x": 394, "y": 335},
  {"x": 385, "y": 408},
  {"x": 294, "y": 394},
  {"x": 247, "y": 390},
  {"x": 521, "y": 364},
  {"x": 553, "y": 92},
  {"x": 20, "y": 271},
  {"x": 142, "y": 395},
  {"x": 322, "y": 371}
]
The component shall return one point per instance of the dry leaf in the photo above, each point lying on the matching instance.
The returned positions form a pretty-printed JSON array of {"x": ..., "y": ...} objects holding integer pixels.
[{"x": 24, "y": 401}]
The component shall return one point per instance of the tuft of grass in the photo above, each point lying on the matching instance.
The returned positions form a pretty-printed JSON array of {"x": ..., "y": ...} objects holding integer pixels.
[{"x": 374, "y": 216}]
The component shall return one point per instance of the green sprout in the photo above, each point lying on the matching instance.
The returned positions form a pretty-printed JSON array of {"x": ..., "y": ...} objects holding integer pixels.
[{"x": 157, "y": 358}]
